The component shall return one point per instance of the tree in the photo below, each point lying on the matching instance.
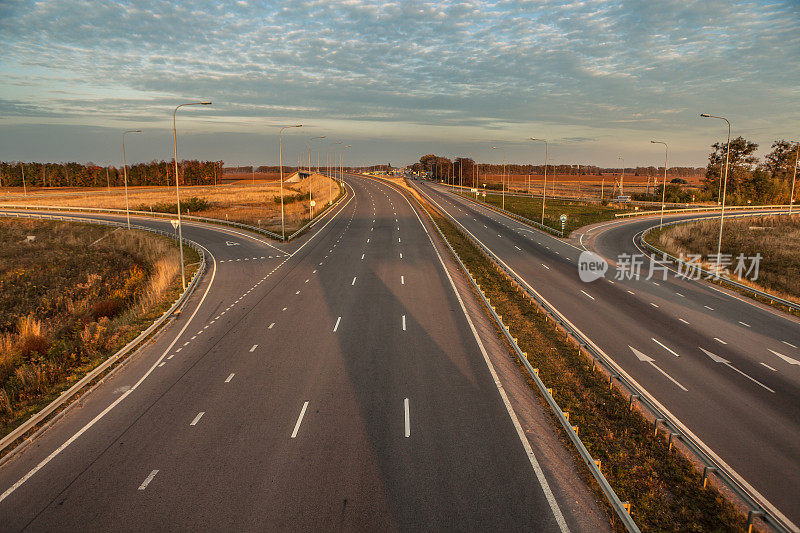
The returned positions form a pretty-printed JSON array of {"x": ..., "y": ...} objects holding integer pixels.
[
  {"x": 741, "y": 165},
  {"x": 781, "y": 160}
]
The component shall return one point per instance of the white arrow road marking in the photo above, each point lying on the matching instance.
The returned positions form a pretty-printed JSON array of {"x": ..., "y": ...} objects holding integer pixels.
[
  {"x": 786, "y": 358},
  {"x": 718, "y": 359},
  {"x": 231, "y": 243},
  {"x": 647, "y": 359}
]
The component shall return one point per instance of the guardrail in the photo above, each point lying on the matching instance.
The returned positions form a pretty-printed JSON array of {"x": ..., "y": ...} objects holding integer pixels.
[
  {"x": 711, "y": 463},
  {"x": 587, "y": 199},
  {"x": 712, "y": 275},
  {"x": 32, "y": 422},
  {"x": 515, "y": 216},
  {"x": 701, "y": 209}
]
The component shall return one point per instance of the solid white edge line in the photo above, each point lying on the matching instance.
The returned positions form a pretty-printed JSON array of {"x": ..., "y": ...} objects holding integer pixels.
[
  {"x": 113, "y": 404},
  {"x": 548, "y": 492},
  {"x": 299, "y": 420}
]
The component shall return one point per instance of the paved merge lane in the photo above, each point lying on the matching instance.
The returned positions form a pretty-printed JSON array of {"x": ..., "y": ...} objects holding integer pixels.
[
  {"x": 715, "y": 370},
  {"x": 339, "y": 387}
]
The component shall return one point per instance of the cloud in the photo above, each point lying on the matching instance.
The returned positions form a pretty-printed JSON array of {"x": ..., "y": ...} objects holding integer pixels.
[{"x": 460, "y": 63}]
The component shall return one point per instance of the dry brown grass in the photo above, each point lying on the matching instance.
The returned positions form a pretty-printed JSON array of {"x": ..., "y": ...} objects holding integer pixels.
[
  {"x": 71, "y": 298},
  {"x": 776, "y": 238},
  {"x": 244, "y": 203}
]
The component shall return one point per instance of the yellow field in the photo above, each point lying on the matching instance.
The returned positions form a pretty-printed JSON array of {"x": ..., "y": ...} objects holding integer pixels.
[{"x": 242, "y": 202}]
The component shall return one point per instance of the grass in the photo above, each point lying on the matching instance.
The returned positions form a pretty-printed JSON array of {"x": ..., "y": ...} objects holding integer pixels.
[
  {"x": 579, "y": 214},
  {"x": 255, "y": 205},
  {"x": 776, "y": 238},
  {"x": 664, "y": 488},
  {"x": 72, "y": 297}
]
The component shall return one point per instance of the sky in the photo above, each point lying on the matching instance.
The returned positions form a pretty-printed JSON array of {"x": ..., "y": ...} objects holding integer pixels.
[{"x": 598, "y": 79}]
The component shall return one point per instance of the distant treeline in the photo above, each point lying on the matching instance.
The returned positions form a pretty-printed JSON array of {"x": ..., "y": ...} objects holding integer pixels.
[
  {"x": 191, "y": 172},
  {"x": 443, "y": 166},
  {"x": 289, "y": 169}
]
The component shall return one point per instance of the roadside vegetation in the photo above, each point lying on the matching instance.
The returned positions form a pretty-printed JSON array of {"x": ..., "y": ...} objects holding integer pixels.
[
  {"x": 776, "y": 238},
  {"x": 69, "y": 299},
  {"x": 663, "y": 486},
  {"x": 579, "y": 214},
  {"x": 255, "y": 205}
]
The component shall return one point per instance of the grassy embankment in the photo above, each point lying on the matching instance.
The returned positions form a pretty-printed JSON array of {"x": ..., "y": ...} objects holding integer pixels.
[
  {"x": 578, "y": 214},
  {"x": 74, "y": 296},
  {"x": 256, "y": 205},
  {"x": 776, "y": 238},
  {"x": 664, "y": 488}
]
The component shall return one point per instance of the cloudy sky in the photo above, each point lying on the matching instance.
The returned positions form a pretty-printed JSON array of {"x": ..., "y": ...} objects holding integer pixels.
[{"x": 396, "y": 80}]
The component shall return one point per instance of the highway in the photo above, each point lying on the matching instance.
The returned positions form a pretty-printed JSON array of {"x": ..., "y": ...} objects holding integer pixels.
[
  {"x": 335, "y": 382},
  {"x": 726, "y": 367}
]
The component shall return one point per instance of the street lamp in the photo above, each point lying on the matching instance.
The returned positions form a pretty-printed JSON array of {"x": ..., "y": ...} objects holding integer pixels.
[
  {"x": 794, "y": 176},
  {"x": 24, "y": 187},
  {"x": 724, "y": 187},
  {"x": 622, "y": 176},
  {"x": 125, "y": 174},
  {"x": 310, "y": 182},
  {"x": 664, "y": 184},
  {"x": 177, "y": 190},
  {"x": 503, "y": 177},
  {"x": 544, "y": 186},
  {"x": 330, "y": 179},
  {"x": 280, "y": 164},
  {"x": 341, "y": 160}
]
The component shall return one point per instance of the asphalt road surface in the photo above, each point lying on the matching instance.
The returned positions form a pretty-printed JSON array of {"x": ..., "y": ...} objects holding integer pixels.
[
  {"x": 726, "y": 367},
  {"x": 329, "y": 383}
]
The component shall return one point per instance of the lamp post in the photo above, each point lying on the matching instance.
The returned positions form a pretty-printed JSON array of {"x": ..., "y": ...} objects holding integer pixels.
[
  {"x": 503, "y": 177},
  {"x": 125, "y": 174},
  {"x": 280, "y": 164},
  {"x": 330, "y": 179},
  {"x": 177, "y": 189},
  {"x": 544, "y": 185},
  {"x": 24, "y": 187},
  {"x": 664, "y": 184},
  {"x": 724, "y": 187},
  {"x": 310, "y": 182},
  {"x": 341, "y": 160},
  {"x": 622, "y": 176},
  {"x": 794, "y": 176}
]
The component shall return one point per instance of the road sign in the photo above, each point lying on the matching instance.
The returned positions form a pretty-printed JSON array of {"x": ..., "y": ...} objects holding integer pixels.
[
  {"x": 563, "y": 218},
  {"x": 174, "y": 224},
  {"x": 313, "y": 203},
  {"x": 483, "y": 194}
]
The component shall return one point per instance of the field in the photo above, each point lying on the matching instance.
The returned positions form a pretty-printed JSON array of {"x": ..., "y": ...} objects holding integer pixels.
[
  {"x": 71, "y": 298},
  {"x": 776, "y": 238},
  {"x": 578, "y": 213},
  {"x": 256, "y": 205}
]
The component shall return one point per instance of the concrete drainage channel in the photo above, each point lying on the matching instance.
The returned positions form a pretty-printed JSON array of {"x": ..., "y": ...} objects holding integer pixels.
[
  {"x": 70, "y": 393},
  {"x": 755, "y": 503}
]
